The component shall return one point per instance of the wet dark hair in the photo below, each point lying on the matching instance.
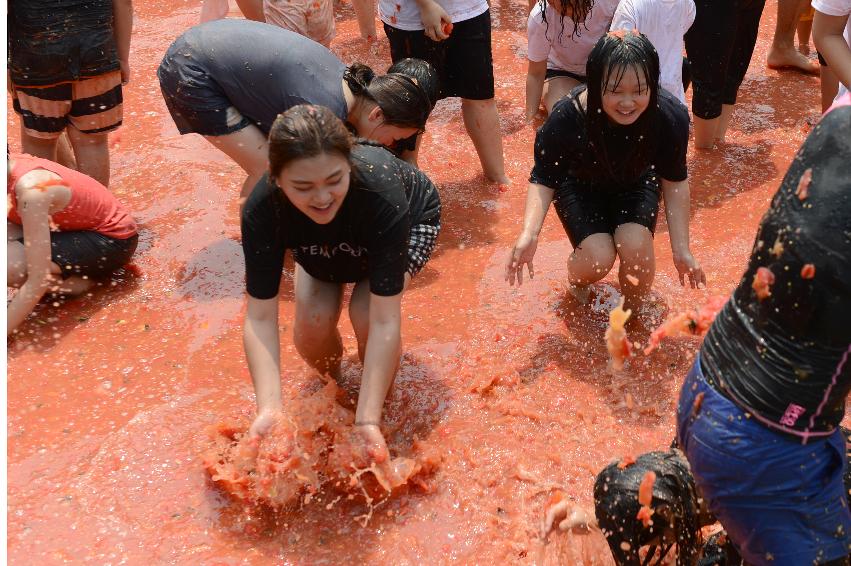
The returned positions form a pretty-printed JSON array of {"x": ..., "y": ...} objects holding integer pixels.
[
  {"x": 306, "y": 130},
  {"x": 616, "y": 507},
  {"x": 615, "y": 54},
  {"x": 422, "y": 72},
  {"x": 581, "y": 10},
  {"x": 404, "y": 103}
]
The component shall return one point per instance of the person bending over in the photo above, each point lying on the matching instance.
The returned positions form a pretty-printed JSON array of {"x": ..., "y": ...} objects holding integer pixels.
[
  {"x": 349, "y": 213},
  {"x": 215, "y": 84},
  {"x": 64, "y": 230},
  {"x": 759, "y": 413},
  {"x": 601, "y": 158}
]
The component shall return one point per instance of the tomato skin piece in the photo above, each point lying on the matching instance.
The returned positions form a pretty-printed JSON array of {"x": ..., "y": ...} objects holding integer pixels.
[
  {"x": 447, "y": 28},
  {"x": 808, "y": 271},
  {"x": 762, "y": 282}
]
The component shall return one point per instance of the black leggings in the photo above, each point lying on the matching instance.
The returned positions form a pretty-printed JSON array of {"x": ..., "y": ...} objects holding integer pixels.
[{"x": 719, "y": 47}]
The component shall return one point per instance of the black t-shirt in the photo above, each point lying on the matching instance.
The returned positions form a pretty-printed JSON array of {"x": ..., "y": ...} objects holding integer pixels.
[
  {"x": 262, "y": 69},
  {"x": 563, "y": 154},
  {"x": 785, "y": 357},
  {"x": 55, "y": 41},
  {"x": 368, "y": 237}
]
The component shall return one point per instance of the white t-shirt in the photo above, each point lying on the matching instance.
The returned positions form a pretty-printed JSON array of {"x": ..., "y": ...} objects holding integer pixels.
[
  {"x": 664, "y": 22},
  {"x": 405, "y": 14},
  {"x": 837, "y": 8},
  {"x": 569, "y": 53}
]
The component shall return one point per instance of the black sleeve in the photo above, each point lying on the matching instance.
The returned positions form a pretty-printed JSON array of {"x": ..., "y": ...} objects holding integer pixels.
[
  {"x": 263, "y": 244},
  {"x": 673, "y": 139},
  {"x": 554, "y": 144},
  {"x": 388, "y": 252}
]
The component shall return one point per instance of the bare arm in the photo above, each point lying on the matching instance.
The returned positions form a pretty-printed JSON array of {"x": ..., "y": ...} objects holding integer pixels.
[
  {"x": 252, "y": 9},
  {"x": 381, "y": 359},
  {"x": 677, "y": 204},
  {"x": 535, "y": 78},
  {"x": 827, "y": 35},
  {"x": 123, "y": 14},
  {"x": 538, "y": 199},
  {"x": 34, "y": 209},
  {"x": 263, "y": 352}
]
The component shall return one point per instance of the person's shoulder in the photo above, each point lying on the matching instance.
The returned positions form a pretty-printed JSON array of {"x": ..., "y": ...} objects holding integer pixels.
[
  {"x": 536, "y": 16},
  {"x": 264, "y": 200},
  {"x": 671, "y": 110}
]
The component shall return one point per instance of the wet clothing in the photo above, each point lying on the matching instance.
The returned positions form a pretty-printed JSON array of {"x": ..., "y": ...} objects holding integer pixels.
[
  {"x": 781, "y": 502},
  {"x": 92, "y": 106},
  {"x": 310, "y": 18},
  {"x": 60, "y": 41},
  {"x": 405, "y": 14},
  {"x": 93, "y": 235},
  {"x": 92, "y": 207},
  {"x": 589, "y": 199},
  {"x": 664, "y": 22},
  {"x": 213, "y": 89},
  {"x": 549, "y": 41},
  {"x": 464, "y": 61},
  {"x": 374, "y": 234},
  {"x": 553, "y": 73},
  {"x": 785, "y": 358},
  {"x": 719, "y": 45}
]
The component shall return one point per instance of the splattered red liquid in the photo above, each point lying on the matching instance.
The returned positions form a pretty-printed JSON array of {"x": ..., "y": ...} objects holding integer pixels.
[{"x": 110, "y": 397}]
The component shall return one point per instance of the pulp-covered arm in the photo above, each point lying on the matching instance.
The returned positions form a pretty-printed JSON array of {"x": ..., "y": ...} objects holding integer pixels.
[
  {"x": 827, "y": 35},
  {"x": 676, "y": 195},
  {"x": 123, "y": 22},
  {"x": 34, "y": 210},
  {"x": 263, "y": 352},
  {"x": 382, "y": 356}
]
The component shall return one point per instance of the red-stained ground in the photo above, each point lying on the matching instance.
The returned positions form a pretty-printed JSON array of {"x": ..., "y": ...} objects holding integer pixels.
[{"x": 109, "y": 396}]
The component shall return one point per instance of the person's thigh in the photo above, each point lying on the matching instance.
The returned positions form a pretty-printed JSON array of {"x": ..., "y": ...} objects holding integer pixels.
[
  {"x": 638, "y": 205},
  {"x": 469, "y": 60},
  {"x": 317, "y": 303},
  {"x": 43, "y": 110},
  {"x": 747, "y": 19},
  {"x": 89, "y": 254},
  {"x": 97, "y": 104},
  {"x": 557, "y": 88},
  {"x": 16, "y": 263},
  {"x": 634, "y": 243},
  {"x": 709, "y": 45},
  {"x": 592, "y": 259},
  {"x": 410, "y": 43},
  {"x": 583, "y": 211}
]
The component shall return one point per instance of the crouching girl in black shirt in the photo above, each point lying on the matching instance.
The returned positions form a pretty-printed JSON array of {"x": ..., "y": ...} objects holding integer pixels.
[
  {"x": 350, "y": 213},
  {"x": 600, "y": 158}
]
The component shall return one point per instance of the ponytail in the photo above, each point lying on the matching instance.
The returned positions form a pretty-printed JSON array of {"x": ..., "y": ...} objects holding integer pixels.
[{"x": 402, "y": 100}]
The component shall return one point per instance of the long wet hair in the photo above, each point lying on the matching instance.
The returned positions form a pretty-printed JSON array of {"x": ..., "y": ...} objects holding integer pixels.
[
  {"x": 581, "y": 10},
  {"x": 615, "y": 54},
  {"x": 616, "y": 507},
  {"x": 404, "y": 103},
  {"x": 422, "y": 72},
  {"x": 306, "y": 130}
]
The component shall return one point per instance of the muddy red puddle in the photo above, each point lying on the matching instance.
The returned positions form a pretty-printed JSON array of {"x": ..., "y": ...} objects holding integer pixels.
[{"x": 110, "y": 396}]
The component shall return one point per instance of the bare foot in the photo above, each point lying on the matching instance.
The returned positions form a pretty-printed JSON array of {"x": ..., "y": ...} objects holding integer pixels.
[
  {"x": 790, "y": 58},
  {"x": 582, "y": 293}
]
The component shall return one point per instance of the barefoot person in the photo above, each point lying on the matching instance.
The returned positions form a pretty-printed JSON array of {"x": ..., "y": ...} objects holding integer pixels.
[
  {"x": 64, "y": 231},
  {"x": 228, "y": 79},
  {"x": 759, "y": 413},
  {"x": 601, "y": 157},
  {"x": 342, "y": 210}
]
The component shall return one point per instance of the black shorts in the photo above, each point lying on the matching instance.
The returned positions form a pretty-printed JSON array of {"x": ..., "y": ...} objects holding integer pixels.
[
  {"x": 89, "y": 254},
  {"x": 464, "y": 61},
  {"x": 421, "y": 243},
  {"x": 195, "y": 101},
  {"x": 588, "y": 208},
  {"x": 553, "y": 73}
]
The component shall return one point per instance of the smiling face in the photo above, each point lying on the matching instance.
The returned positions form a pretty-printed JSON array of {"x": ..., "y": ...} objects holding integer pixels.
[
  {"x": 624, "y": 100},
  {"x": 316, "y": 185}
]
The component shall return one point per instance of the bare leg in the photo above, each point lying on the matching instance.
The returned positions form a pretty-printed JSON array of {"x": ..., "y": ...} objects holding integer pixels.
[
  {"x": 92, "y": 152},
  {"x": 783, "y": 54},
  {"x": 365, "y": 12},
  {"x": 481, "y": 119},
  {"x": 65, "y": 153},
  {"x": 805, "y": 29},
  {"x": 249, "y": 149},
  {"x": 638, "y": 261},
  {"x": 359, "y": 313},
  {"x": 315, "y": 334},
  {"x": 39, "y": 147},
  {"x": 252, "y": 9},
  {"x": 555, "y": 89},
  {"x": 71, "y": 286},
  {"x": 592, "y": 260},
  {"x": 829, "y": 87},
  {"x": 705, "y": 132},
  {"x": 16, "y": 261},
  {"x": 724, "y": 123}
]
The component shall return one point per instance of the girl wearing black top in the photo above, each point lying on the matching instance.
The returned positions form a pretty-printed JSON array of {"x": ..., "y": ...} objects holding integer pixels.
[
  {"x": 227, "y": 80},
  {"x": 349, "y": 213},
  {"x": 601, "y": 157}
]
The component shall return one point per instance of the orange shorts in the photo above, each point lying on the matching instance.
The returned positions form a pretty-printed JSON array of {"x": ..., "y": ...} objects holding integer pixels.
[
  {"x": 310, "y": 18},
  {"x": 91, "y": 106}
]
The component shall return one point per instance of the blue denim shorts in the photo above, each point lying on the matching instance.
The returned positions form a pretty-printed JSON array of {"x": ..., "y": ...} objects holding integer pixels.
[{"x": 783, "y": 503}]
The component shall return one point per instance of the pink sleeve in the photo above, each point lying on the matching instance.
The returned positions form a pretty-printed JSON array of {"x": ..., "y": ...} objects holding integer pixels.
[{"x": 538, "y": 45}]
